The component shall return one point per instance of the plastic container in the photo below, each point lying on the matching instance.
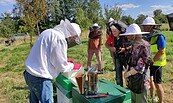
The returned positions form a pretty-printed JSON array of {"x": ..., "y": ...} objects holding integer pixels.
[
  {"x": 61, "y": 98},
  {"x": 64, "y": 89}
]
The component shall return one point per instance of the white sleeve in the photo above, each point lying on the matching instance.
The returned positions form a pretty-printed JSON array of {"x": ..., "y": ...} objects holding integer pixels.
[{"x": 58, "y": 56}]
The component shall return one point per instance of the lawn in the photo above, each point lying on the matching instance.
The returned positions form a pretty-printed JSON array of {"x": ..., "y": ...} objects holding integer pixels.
[{"x": 13, "y": 88}]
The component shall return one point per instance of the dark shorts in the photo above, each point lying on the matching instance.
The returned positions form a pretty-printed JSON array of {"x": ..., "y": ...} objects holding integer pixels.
[
  {"x": 156, "y": 72},
  {"x": 112, "y": 54}
]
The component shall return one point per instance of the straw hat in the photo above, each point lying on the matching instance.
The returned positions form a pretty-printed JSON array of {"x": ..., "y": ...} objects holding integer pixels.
[
  {"x": 133, "y": 29},
  {"x": 149, "y": 21}
]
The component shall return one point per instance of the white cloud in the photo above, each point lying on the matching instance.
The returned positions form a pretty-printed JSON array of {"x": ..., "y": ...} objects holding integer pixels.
[
  {"x": 128, "y": 6},
  {"x": 6, "y": 2},
  {"x": 160, "y": 6},
  {"x": 148, "y": 13},
  {"x": 166, "y": 9}
]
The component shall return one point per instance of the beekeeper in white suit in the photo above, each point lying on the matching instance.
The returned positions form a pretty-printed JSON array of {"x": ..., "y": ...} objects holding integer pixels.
[{"x": 48, "y": 57}]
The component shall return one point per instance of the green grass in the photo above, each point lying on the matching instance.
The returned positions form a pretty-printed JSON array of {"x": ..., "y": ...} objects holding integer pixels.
[
  {"x": 165, "y": 27},
  {"x": 13, "y": 88}
]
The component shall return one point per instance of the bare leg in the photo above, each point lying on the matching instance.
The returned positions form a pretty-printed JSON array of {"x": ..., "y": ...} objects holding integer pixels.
[
  {"x": 152, "y": 87},
  {"x": 160, "y": 92}
]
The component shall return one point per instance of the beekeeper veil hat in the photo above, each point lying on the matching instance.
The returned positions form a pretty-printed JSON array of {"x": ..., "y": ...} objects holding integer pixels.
[{"x": 71, "y": 32}]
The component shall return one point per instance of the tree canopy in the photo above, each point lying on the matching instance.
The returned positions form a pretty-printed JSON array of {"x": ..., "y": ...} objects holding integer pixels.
[{"x": 34, "y": 16}]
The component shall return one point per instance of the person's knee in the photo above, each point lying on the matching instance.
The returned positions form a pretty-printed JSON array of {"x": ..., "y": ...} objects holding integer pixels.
[{"x": 158, "y": 86}]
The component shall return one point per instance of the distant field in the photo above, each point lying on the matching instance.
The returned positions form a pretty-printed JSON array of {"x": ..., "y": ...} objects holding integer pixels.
[
  {"x": 14, "y": 90},
  {"x": 165, "y": 27}
]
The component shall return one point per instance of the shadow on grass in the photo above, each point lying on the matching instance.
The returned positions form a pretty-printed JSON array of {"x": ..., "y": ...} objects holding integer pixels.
[
  {"x": 85, "y": 42},
  {"x": 20, "y": 88}
]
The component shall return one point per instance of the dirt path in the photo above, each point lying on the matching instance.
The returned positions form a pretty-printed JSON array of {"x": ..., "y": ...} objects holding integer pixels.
[{"x": 3, "y": 99}]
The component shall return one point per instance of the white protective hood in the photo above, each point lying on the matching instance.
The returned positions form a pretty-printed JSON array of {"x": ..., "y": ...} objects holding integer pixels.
[{"x": 68, "y": 29}]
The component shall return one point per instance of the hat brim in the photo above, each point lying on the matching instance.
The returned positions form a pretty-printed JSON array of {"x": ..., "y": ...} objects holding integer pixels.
[
  {"x": 126, "y": 34},
  {"x": 150, "y": 24}
]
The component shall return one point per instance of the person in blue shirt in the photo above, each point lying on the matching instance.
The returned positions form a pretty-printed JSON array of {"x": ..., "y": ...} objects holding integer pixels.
[{"x": 158, "y": 52}]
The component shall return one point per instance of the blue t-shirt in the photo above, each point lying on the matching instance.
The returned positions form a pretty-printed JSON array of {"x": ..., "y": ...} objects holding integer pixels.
[{"x": 161, "y": 42}]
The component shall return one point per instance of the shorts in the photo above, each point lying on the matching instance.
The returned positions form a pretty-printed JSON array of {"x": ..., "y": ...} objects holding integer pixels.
[{"x": 156, "y": 72}]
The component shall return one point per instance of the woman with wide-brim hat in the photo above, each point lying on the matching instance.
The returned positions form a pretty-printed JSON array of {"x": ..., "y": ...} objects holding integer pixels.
[{"x": 139, "y": 61}]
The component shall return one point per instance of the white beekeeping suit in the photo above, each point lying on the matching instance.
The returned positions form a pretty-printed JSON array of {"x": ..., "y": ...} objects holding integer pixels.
[{"x": 48, "y": 56}]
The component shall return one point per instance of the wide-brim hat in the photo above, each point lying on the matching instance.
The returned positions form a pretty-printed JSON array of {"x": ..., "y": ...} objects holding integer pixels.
[
  {"x": 149, "y": 21},
  {"x": 133, "y": 29}
]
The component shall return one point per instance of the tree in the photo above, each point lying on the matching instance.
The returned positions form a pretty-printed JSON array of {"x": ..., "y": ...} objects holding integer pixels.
[
  {"x": 114, "y": 12},
  {"x": 127, "y": 20},
  {"x": 101, "y": 21},
  {"x": 33, "y": 11},
  {"x": 7, "y": 27},
  {"x": 159, "y": 16},
  {"x": 67, "y": 9},
  {"x": 140, "y": 19},
  {"x": 157, "y": 12},
  {"x": 81, "y": 19},
  {"x": 54, "y": 15},
  {"x": 88, "y": 12},
  {"x": 93, "y": 10},
  {"x": 16, "y": 17}
]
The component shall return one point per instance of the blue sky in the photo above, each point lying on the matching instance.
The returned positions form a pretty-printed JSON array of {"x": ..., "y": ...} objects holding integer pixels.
[
  {"x": 136, "y": 7},
  {"x": 130, "y": 7},
  {"x": 6, "y": 5}
]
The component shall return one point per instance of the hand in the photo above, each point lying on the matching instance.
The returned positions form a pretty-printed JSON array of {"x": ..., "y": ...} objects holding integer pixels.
[
  {"x": 126, "y": 75},
  {"x": 126, "y": 78},
  {"x": 129, "y": 47},
  {"x": 121, "y": 50}
]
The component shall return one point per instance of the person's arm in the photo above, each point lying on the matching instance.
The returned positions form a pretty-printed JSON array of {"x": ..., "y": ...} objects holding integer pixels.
[
  {"x": 159, "y": 54},
  {"x": 161, "y": 45},
  {"x": 58, "y": 56},
  {"x": 111, "y": 48},
  {"x": 129, "y": 73},
  {"x": 100, "y": 41},
  {"x": 88, "y": 43},
  {"x": 107, "y": 33}
]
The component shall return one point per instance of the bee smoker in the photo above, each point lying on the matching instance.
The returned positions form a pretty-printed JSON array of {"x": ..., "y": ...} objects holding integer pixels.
[
  {"x": 90, "y": 86},
  {"x": 92, "y": 82}
]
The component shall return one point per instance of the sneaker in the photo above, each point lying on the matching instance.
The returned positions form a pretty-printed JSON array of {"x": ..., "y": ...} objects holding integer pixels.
[
  {"x": 100, "y": 72},
  {"x": 154, "y": 99}
]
